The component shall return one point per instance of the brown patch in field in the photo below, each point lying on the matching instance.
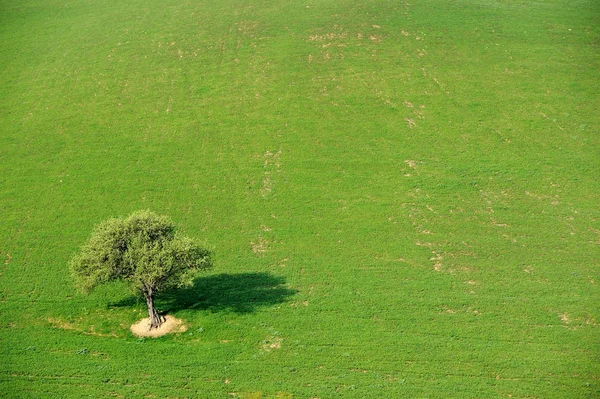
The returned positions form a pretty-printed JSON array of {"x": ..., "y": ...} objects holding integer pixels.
[
  {"x": 533, "y": 195},
  {"x": 553, "y": 120},
  {"x": 509, "y": 238},
  {"x": 442, "y": 87},
  {"x": 575, "y": 323},
  {"x": 411, "y": 164},
  {"x": 271, "y": 343},
  {"x": 437, "y": 261},
  {"x": 265, "y": 228},
  {"x": 170, "y": 325},
  {"x": 266, "y": 184},
  {"x": 260, "y": 246},
  {"x": 375, "y": 38},
  {"x": 327, "y": 36},
  {"x": 419, "y": 113},
  {"x": 270, "y": 164},
  {"x": 8, "y": 259},
  {"x": 247, "y": 28},
  {"x": 495, "y": 222},
  {"x": 410, "y": 122},
  {"x": 65, "y": 325},
  {"x": 408, "y": 104},
  {"x": 359, "y": 370}
]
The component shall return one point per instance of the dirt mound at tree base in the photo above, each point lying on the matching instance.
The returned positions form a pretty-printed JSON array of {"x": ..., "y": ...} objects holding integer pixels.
[{"x": 170, "y": 325}]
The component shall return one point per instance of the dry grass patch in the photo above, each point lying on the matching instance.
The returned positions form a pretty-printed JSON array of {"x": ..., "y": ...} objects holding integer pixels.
[
  {"x": 271, "y": 343},
  {"x": 260, "y": 246},
  {"x": 65, "y": 325},
  {"x": 170, "y": 325}
]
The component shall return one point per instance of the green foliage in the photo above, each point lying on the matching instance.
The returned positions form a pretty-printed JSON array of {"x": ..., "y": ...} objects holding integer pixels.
[{"x": 144, "y": 249}]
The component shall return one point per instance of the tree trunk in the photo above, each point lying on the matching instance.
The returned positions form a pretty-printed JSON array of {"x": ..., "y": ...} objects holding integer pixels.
[{"x": 155, "y": 319}]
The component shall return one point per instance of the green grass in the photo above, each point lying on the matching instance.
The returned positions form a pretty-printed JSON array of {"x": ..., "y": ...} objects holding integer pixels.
[{"x": 402, "y": 196}]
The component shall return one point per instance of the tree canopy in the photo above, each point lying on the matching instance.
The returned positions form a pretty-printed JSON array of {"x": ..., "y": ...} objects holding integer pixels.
[{"x": 144, "y": 249}]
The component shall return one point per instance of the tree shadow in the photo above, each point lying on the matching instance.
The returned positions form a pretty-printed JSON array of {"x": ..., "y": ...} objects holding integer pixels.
[{"x": 239, "y": 293}]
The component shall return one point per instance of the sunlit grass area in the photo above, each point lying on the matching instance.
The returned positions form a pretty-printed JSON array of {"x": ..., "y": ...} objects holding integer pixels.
[{"x": 402, "y": 197}]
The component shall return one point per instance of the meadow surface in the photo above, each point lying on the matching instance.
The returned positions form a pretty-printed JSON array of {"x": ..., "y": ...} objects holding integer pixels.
[{"x": 402, "y": 196}]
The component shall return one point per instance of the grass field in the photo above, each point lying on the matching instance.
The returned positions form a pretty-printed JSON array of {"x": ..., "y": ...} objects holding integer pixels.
[{"x": 402, "y": 196}]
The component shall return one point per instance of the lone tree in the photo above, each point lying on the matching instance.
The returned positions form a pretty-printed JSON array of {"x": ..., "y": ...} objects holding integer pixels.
[{"x": 143, "y": 249}]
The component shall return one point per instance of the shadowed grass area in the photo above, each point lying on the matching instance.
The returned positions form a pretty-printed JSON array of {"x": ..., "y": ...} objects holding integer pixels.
[{"x": 238, "y": 293}]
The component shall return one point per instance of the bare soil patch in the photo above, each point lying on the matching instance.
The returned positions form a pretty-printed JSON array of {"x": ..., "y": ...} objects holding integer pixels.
[{"x": 170, "y": 325}]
